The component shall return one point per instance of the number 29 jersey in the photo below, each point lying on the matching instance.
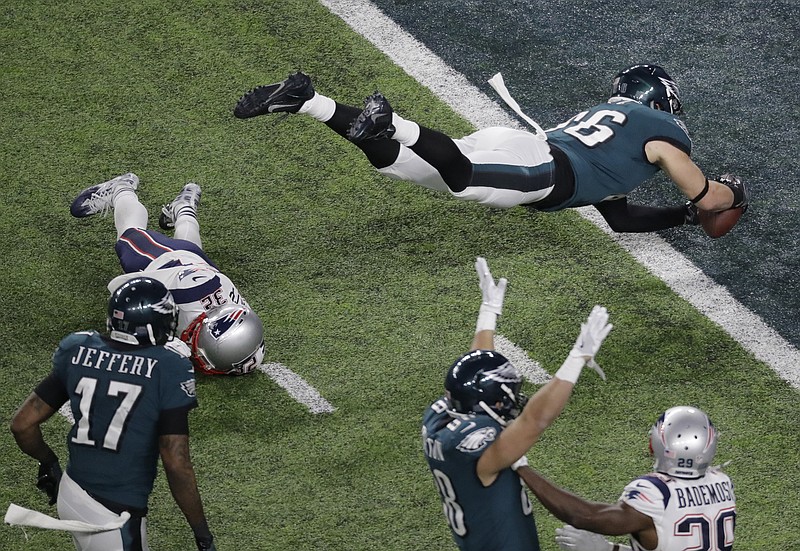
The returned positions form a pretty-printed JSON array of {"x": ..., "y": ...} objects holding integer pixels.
[
  {"x": 498, "y": 517},
  {"x": 697, "y": 513}
]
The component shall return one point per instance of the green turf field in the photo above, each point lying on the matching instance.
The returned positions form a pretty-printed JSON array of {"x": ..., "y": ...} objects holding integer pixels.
[{"x": 366, "y": 287}]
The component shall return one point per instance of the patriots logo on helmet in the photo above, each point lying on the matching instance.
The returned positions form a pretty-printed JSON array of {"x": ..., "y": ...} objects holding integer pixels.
[{"x": 222, "y": 325}]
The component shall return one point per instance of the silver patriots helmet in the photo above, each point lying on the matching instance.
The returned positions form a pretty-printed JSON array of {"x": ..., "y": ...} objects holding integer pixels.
[
  {"x": 229, "y": 340},
  {"x": 683, "y": 442}
]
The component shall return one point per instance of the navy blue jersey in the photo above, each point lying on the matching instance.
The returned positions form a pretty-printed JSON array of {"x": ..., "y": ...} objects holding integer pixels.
[
  {"x": 498, "y": 517},
  {"x": 605, "y": 147},
  {"x": 118, "y": 395}
]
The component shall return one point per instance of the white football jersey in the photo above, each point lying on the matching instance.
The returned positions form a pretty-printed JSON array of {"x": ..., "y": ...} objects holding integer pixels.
[
  {"x": 196, "y": 286},
  {"x": 698, "y": 513}
]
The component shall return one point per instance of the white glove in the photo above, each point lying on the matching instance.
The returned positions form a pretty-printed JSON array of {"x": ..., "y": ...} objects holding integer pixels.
[
  {"x": 521, "y": 462},
  {"x": 593, "y": 332},
  {"x": 570, "y": 538},
  {"x": 592, "y": 335},
  {"x": 492, "y": 296}
]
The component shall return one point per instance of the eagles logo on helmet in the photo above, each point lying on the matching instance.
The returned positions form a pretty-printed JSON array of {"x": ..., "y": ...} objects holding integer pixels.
[
  {"x": 484, "y": 381},
  {"x": 650, "y": 85},
  {"x": 142, "y": 311},
  {"x": 227, "y": 341}
]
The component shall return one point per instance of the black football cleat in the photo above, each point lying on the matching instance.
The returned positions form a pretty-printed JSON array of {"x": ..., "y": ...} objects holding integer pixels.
[
  {"x": 374, "y": 122},
  {"x": 282, "y": 97}
]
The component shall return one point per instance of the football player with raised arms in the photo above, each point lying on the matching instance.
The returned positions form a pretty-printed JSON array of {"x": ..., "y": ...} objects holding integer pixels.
[
  {"x": 595, "y": 158},
  {"x": 478, "y": 433},
  {"x": 685, "y": 503},
  {"x": 225, "y": 335},
  {"x": 130, "y": 393}
]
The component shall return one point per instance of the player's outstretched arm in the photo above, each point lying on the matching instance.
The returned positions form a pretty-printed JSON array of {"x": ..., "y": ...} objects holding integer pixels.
[
  {"x": 612, "y": 519},
  {"x": 570, "y": 538},
  {"x": 492, "y": 296},
  {"x": 548, "y": 402},
  {"x": 706, "y": 194}
]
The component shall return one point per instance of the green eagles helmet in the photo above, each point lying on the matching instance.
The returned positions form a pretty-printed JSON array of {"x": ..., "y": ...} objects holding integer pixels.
[
  {"x": 484, "y": 381},
  {"x": 650, "y": 85},
  {"x": 142, "y": 312}
]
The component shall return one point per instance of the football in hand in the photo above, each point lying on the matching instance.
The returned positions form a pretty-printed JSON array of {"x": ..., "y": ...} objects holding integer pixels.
[{"x": 717, "y": 224}]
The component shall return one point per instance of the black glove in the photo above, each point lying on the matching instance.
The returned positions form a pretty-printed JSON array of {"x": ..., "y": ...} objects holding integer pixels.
[
  {"x": 48, "y": 479},
  {"x": 205, "y": 543},
  {"x": 741, "y": 195}
]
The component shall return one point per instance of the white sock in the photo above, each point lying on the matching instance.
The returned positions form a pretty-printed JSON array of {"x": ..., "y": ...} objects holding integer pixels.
[
  {"x": 187, "y": 227},
  {"x": 128, "y": 211},
  {"x": 320, "y": 107},
  {"x": 406, "y": 132}
]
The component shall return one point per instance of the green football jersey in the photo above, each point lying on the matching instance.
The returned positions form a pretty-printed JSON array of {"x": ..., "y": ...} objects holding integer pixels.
[
  {"x": 605, "y": 147},
  {"x": 498, "y": 517},
  {"x": 117, "y": 394}
]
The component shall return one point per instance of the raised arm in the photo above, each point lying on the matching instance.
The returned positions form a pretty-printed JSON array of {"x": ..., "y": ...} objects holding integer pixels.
[{"x": 548, "y": 402}]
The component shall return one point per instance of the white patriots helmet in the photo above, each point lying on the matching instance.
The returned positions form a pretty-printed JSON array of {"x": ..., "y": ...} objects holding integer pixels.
[
  {"x": 229, "y": 340},
  {"x": 683, "y": 442}
]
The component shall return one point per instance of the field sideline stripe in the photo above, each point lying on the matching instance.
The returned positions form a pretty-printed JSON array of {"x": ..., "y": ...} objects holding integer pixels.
[
  {"x": 657, "y": 255},
  {"x": 297, "y": 387}
]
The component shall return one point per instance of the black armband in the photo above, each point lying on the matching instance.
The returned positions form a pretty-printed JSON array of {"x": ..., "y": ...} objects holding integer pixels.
[{"x": 701, "y": 194}]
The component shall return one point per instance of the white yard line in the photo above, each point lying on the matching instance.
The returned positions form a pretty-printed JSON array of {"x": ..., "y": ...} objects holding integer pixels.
[
  {"x": 297, "y": 387},
  {"x": 530, "y": 369},
  {"x": 652, "y": 251}
]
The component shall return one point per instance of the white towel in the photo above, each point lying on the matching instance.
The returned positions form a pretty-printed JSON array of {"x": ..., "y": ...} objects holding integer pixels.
[
  {"x": 499, "y": 85},
  {"x": 26, "y": 517}
]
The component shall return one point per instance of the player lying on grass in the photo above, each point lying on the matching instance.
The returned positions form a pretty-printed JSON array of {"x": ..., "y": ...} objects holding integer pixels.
[
  {"x": 225, "y": 335},
  {"x": 595, "y": 158},
  {"x": 475, "y": 435}
]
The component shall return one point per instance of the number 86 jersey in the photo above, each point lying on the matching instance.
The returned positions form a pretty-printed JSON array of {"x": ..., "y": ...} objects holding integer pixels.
[{"x": 697, "y": 513}]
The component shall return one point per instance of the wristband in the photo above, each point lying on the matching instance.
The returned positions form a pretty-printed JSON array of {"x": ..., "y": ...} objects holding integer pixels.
[
  {"x": 571, "y": 369},
  {"x": 487, "y": 321},
  {"x": 702, "y": 193}
]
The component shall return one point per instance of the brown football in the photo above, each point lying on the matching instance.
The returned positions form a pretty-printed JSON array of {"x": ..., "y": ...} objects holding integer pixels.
[{"x": 717, "y": 224}]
